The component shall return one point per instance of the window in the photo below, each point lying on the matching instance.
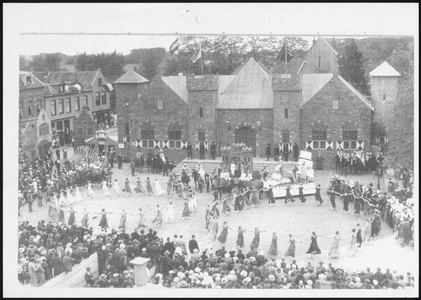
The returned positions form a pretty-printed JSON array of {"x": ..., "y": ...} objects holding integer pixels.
[
  {"x": 30, "y": 109},
  {"x": 174, "y": 135},
  {"x": 68, "y": 105},
  {"x": 59, "y": 125},
  {"x": 159, "y": 104},
  {"x": 85, "y": 100},
  {"x": 319, "y": 135},
  {"x": 172, "y": 144},
  {"x": 201, "y": 136},
  {"x": 60, "y": 106},
  {"x": 77, "y": 104},
  {"x": 53, "y": 126},
  {"x": 147, "y": 135},
  {"x": 53, "y": 108},
  {"x": 335, "y": 104},
  {"x": 44, "y": 130},
  {"x": 286, "y": 113},
  {"x": 97, "y": 100},
  {"x": 346, "y": 145},
  {"x": 104, "y": 98},
  {"x": 285, "y": 137},
  {"x": 201, "y": 112},
  {"x": 382, "y": 140},
  {"x": 353, "y": 145},
  {"x": 99, "y": 81},
  {"x": 384, "y": 97},
  {"x": 28, "y": 80},
  {"x": 350, "y": 135},
  {"x": 79, "y": 131},
  {"x": 90, "y": 131},
  {"x": 178, "y": 144}
]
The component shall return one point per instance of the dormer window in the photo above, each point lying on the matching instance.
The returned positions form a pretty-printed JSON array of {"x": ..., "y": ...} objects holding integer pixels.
[{"x": 28, "y": 80}]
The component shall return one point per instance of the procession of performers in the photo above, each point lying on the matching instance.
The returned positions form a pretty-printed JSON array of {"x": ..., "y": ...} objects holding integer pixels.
[{"x": 358, "y": 163}]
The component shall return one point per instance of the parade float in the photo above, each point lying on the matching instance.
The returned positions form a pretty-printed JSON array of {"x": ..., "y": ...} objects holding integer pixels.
[{"x": 293, "y": 174}]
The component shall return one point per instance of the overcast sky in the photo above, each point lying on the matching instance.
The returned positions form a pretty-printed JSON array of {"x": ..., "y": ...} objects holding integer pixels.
[{"x": 302, "y": 18}]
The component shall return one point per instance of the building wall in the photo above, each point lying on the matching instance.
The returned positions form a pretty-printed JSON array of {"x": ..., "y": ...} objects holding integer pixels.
[
  {"x": 319, "y": 112},
  {"x": 84, "y": 127},
  {"x": 32, "y": 96},
  {"x": 286, "y": 94},
  {"x": 328, "y": 59},
  {"x": 246, "y": 117},
  {"x": 383, "y": 86},
  {"x": 202, "y": 93}
]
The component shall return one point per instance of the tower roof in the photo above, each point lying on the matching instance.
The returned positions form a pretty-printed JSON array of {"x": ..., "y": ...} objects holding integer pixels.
[
  {"x": 131, "y": 77},
  {"x": 384, "y": 70}
]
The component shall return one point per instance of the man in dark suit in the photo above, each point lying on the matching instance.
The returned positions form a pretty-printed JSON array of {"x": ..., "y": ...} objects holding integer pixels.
[
  {"x": 378, "y": 275},
  {"x": 119, "y": 159},
  {"x": 276, "y": 152},
  {"x": 202, "y": 150},
  {"x": 193, "y": 244},
  {"x": 189, "y": 151},
  {"x": 296, "y": 151},
  {"x": 285, "y": 150},
  {"x": 67, "y": 263},
  {"x": 169, "y": 246},
  {"x": 213, "y": 150},
  {"x": 268, "y": 152},
  {"x": 89, "y": 278}
]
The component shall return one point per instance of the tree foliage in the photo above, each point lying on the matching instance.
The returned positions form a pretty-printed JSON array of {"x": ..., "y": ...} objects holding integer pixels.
[
  {"x": 45, "y": 62},
  {"x": 351, "y": 65},
  {"x": 111, "y": 64},
  {"x": 148, "y": 60}
]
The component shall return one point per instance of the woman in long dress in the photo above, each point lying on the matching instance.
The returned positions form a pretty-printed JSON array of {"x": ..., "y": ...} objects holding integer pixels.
[
  {"x": 105, "y": 191},
  {"x": 122, "y": 225},
  {"x": 256, "y": 240},
  {"x": 240, "y": 237},
  {"x": 103, "y": 223},
  {"x": 85, "y": 218},
  {"x": 334, "y": 250},
  {"x": 224, "y": 233},
  {"x": 54, "y": 209},
  {"x": 142, "y": 220},
  {"x": 149, "y": 189},
  {"x": 61, "y": 215},
  {"x": 69, "y": 196},
  {"x": 116, "y": 188},
  {"x": 158, "y": 218},
  {"x": 225, "y": 205},
  {"x": 72, "y": 218},
  {"x": 215, "y": 227},
  {"x": 170, "y": 214},
  {"x": 273, "y": 249},
  {"x": 139, "y": 188},
  {"x": 158, "y": 189},
  {"x": 238, "y": 202},
  {"x": 254, "y": 197},
  {"x": 78, "y": 196},
  {"x": 193, "y": 203},
  {"x": 248, "y": 198},
  {"x": 63, "y": 201},
  {"x": 314, "y": 247},
  {"x": 352, "y": 248},
  {"x": 186, "y": 210},
  {"x": 90, "y": 191},
  {"x": 180, "y": 190},
  {"x": 301, "y": 194},
  {"x": 127, "y": 188},
  {"x": 367, "y": 231},
  {"x": 291, "y": 248}
]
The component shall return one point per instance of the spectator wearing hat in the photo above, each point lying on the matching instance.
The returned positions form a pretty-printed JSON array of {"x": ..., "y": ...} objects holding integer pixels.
[
  {"x": 67, "y": 263},
  {"x": 193, "y": 244},
  {"x": 378, "y": 276},
  {"x": 103, "y": 282}
]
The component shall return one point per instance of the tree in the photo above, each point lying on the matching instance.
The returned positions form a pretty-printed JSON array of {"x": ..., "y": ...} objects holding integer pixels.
[
  {"x": 23, "y": 63},
  {"x": 111, "y": 64},
  {"x": 351, "y": 65}
]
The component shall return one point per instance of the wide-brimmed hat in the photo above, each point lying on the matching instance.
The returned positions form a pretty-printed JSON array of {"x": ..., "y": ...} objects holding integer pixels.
[{"x": 103, "y": 276}]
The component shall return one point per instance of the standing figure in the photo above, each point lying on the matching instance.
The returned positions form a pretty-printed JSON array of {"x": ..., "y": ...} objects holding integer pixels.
[
  {"x": 189, "y": 152},
  {"x": 256, "y": 240},
  {"x": 273, "y": 249},
  {"x": 347, "y": 197},
  {"x": 78, "y": 196},
  {"x": 271, "y": 196},
  {"x": 240, "y": 238},
  {"x": 224, "y": 233},
  {"x": 296, "y": 151},
  {"x": 208, "y": 216},
  {"x": 288, "y": 196},
  {"x": 202, "y": 150},
  {"x": 213, "y": 150},
  {"x": 186, "y": 210},
  {"x": 122, "y": 225},
  {"x": 103, "y": 223},
  {"x": 268, "y": 152},
  {"x": 127, "y": 188},
  {"x": 359, "y": 236},
  {"x": 158, "y": 189},
  {"x": 332, "y": 198},
  {"x": 133, "y": 167},
  {"x": 149, "y": 188},
  {"x": 193, "y": 203},
  {"x": 158, "y": 218},
  {"x": 105, "y": 191},
  {"x": 334, "y": 250},
  {"x": 352, "y": 249},
  {"x": 116, "y": 188},
  {"x": 70, "y": 199},
  {"x": 318, "y": 196},
  {"x": 54, "y": 209},
  {"x": 119, "y": 160},
  {"x": 85, "y": 218},
  {"x": 285, "y": 151},
  {"x": 276, "y": 152},
  {"x": 72, "y": 218},
  {"x": 170, "y": 213},
  {"x": 301, "y": 193},
  {"x": 90, "y": 191},
  {"x": 225, "y": 205},
  {"x": 238, "y": 205},
  {"x": 291, "y": 248},
  {"x": 215, "y": 227},
  {"x": 314, "y": 248},
  {"x": 367, "y": 231},
  {"x": 139, "y": 188},
  {"x": 142, "y": 220},
  {"x": 61, "y": 215},
  {"x": 63, "y": 200}
]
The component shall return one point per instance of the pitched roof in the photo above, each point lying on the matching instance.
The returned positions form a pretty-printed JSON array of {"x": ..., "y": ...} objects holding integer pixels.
[
  {"x": 313, "y": 83},
  {"x": 326, "y": 42},
  {"x": 384, "y": 70},
  {"x": 86, "y": 78},
  {"x": 131, "y": 77},
  {"x": 357, "y": 93},
  {"x": 251, "y": 88},
  {"x": 294, "y": 67},
  {"x": 240, "y": 67},
  {"x": 224, "y": 82},
  {"x": 35, "y": 82},
  {"x": 132, "y": 66},
  {"x": 178, "y": 84}
]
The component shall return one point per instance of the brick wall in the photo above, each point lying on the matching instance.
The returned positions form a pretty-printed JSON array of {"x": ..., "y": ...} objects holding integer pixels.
[
  {"x": 246, "y": 117},
  {"x": 350, "y": 110},
  {"x": 383, "y": 86}
]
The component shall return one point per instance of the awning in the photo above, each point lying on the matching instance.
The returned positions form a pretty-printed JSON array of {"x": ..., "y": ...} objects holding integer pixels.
[{"x": 108, "y": 87}]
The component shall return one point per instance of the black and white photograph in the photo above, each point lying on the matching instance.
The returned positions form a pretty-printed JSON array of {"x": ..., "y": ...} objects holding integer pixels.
[{"x": 210, "y": 150}]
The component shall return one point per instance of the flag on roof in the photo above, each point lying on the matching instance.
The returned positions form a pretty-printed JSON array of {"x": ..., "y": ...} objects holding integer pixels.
[
  {"x": 197, "y": 55},
  {"x": 174, "y": 46},
  {"x": 285, "y": 54}
]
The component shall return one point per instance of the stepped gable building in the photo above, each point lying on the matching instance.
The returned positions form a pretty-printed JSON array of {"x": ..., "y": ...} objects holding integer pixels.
[{"x": 319, "y": 111}]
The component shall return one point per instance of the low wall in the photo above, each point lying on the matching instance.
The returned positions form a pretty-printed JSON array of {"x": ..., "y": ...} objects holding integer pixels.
[{"x": 76, "y": 278}]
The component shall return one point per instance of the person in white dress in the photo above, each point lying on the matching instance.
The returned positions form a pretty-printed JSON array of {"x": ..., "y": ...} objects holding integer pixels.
[
  {"x": 69, "y": 196},
  {"x": 55, "y": 201},
  {"x": 63, "y": 201},
  {"x": 232, "y": 169},
  {"x": 243, "y": 176},
  {"x": 78, "y": 196},
  {"x": 170, "y": 214},
  {"x": 105, "y": 190},
  {"x": 90, "y": 191},
  {"x": 157, "y": 188},
  {"x": 116, "y": 188},
  {"x": 193, "y": 203}
]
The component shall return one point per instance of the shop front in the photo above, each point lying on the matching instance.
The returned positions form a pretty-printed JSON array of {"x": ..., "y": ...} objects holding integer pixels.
[{"x": 101, "y": 142}]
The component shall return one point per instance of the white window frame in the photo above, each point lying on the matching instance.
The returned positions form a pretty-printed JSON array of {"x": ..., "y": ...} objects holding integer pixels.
[
  {"x": 335, "y": 103},
  {"x": 159, "y": 104}
]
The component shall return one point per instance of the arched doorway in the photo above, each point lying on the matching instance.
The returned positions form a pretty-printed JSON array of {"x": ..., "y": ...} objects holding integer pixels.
[{"x": 247, "y": 136}]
